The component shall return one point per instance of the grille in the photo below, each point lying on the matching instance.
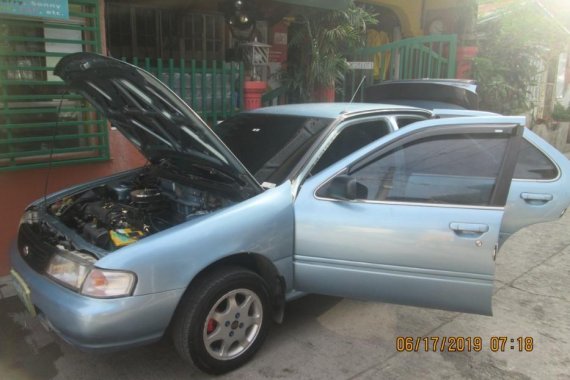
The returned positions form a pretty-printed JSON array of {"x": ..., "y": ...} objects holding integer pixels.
[{"x": 33, "y": 249}]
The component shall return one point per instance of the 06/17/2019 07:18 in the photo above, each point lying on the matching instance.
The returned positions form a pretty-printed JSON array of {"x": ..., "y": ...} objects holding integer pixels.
[{"x": 463, "y": 344}]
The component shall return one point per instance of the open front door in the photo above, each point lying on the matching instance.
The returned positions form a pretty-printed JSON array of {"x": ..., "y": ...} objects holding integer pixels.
[{"x": 413, "y": 221}]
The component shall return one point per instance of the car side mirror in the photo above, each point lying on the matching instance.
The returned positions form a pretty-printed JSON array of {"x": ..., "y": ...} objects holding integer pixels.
[{"x": 344, "y": 187}]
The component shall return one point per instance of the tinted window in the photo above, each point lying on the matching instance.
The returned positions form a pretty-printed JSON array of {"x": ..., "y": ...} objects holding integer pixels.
[
  {"x": 405, "y": 121},
  {"x": 448, "y": 169},
  {"x": 269, "y": 145},
  {"x": 533, "y": 164},
  {"x": 349, "y": 140}
]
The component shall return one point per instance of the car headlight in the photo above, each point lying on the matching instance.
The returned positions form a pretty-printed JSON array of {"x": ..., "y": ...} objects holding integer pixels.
[
  {"x": 102, "y": 283},
  {"x": 76, "y": 270},
  {"x": 70, "y": 269}
]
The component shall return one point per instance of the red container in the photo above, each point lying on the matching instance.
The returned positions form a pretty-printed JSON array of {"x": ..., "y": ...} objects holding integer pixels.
[
  {"x": 252, "y": 92},
  {"x": 465, "y": 56},
  {"x": 324, "y": 94}
]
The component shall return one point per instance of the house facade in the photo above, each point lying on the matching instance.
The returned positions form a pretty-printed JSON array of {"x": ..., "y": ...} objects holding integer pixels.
[{"x": 51, "y": 139}]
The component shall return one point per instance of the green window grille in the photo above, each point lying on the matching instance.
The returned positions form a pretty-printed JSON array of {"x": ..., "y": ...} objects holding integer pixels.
[
  {"x": 141, "y": 30},
  {"x": 32, "y": 131}
]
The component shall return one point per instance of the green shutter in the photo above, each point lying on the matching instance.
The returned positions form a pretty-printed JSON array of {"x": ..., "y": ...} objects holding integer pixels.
[{"x": 39, "y": 120}]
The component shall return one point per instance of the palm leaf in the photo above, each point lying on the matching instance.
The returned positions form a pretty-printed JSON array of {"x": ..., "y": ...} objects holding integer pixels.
[{"x": 321, "y": 40}]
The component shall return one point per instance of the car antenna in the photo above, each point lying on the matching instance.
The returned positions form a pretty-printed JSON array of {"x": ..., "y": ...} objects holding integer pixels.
[
  {"x": 46, "y": 182},
  {"x": 357, "y": 88}
]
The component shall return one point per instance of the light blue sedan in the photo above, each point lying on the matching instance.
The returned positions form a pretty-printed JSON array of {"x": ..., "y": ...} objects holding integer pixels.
[{"x": 212, "y": 237}]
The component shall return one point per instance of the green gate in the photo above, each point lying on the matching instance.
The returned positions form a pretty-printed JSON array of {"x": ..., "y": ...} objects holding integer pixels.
[
  {"x": 39, "y": 120},
  {"x": 214, "y": 89},
  {"x": 410, "y": 58}
]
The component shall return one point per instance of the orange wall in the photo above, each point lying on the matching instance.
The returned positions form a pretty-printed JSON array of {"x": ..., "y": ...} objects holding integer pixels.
[{"x": 19, "y": 188}]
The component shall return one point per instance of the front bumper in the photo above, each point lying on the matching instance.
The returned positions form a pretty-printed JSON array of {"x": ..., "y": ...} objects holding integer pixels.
[{"x": 97, "y": 324}]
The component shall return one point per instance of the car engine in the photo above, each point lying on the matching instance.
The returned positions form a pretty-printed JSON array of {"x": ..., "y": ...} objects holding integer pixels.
[{"x": 120, "y": 213}]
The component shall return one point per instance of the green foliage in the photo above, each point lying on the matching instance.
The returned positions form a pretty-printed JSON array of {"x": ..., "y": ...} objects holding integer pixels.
[
  {"x": 318, "y": 44},
  {"x": 561, "y": 113},
  {"x": 516, "y": 46}
]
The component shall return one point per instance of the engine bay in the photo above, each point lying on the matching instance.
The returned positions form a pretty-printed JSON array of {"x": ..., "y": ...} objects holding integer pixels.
[{"x": 124, "y": 211}]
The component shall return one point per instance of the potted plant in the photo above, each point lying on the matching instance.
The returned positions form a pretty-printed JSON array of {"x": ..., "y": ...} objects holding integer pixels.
[{"x": 320, "y": 42}]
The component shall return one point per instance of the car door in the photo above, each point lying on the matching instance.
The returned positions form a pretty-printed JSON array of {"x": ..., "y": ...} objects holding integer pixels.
[
  {"x": 540, "y": 190},
  {"x": 413, "y": 219}
]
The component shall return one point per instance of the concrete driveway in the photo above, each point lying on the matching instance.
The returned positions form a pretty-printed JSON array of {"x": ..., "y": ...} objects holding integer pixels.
[{"x": 333, "y": 338}]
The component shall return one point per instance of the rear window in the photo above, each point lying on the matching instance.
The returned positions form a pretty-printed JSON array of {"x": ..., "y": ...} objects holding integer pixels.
[{"x": 533, "y": 164}]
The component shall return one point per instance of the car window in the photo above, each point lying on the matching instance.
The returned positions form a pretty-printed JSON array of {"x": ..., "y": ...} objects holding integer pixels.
[
  {"x": 533, "y": 164},
  {"x": 459, "y": 170},
  {"x": 269, "y": 145},
  {"x": 403, "y": 121},
  {"x": 349, "y": 140}
]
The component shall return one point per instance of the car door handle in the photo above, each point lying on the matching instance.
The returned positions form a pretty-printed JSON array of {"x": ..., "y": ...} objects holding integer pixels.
[
  {"x": 468, "y": 229},
  {"x": 536, "y": 198}
]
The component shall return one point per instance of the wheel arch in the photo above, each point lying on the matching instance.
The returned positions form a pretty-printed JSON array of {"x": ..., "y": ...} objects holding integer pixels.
[{"x": 258, "y": 264}]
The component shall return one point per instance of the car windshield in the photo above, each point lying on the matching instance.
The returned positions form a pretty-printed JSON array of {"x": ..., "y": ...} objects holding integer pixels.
[{"x": 269, "y": 145}]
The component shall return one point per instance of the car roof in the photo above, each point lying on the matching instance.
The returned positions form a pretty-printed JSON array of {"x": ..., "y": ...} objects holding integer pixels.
[
  {"x": 425, "y": 93},
  {"x": 331, "y": 110},
  {"x": 468, "y": 84}
]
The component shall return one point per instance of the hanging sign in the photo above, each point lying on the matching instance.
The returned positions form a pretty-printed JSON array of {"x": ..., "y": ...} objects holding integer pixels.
[
  {"x": 278, "y": 51},
  {"x": 36, "y": 8},
  {"x": 361, "y": 65}
]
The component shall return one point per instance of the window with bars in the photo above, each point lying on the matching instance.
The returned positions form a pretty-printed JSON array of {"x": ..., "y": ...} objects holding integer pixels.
[
  {"x": 39, "y": 120},
  {"x": 148, "y": 32}
]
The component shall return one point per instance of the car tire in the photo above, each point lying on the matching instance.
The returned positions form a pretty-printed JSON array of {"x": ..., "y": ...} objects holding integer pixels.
[{"x": 222, "y": 320}]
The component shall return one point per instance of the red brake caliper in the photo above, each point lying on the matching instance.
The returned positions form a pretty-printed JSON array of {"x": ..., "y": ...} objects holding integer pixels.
[{"x": 211, "y": 326}]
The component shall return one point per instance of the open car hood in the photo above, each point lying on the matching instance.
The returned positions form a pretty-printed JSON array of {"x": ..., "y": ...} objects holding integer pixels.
[
  {"x": 150, "y": 115},
  {"x": 426, "y": 93}
]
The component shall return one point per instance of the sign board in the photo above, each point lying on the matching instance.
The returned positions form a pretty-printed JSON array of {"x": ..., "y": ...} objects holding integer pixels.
[
  {"x": 278, "y": 51},
  {"x": 36, "y": 8},
  {"x": 357, "y": 65}
]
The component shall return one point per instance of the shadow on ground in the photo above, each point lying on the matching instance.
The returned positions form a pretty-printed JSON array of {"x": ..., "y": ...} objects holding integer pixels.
[
  {"x": 28, "y": 352},
  {"x": 21, "y": 357}
]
